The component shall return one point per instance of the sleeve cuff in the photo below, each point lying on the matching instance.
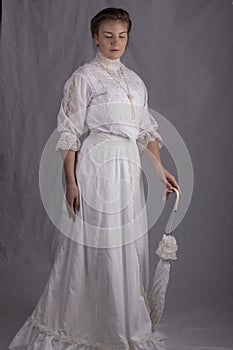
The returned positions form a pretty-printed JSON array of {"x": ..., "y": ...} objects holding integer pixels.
[
  {"x": 148, "y": 136},
  {"x": 68, "y": 141}
]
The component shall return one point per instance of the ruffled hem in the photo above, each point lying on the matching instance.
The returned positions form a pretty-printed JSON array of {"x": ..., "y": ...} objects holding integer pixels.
[{"x": 34, "y": 335}]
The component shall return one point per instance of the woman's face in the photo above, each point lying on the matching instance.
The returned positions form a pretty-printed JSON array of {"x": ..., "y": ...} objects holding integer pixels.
[{"x": 112, "y": 38}]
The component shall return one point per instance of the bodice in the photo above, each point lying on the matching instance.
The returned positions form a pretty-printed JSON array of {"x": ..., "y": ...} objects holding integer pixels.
[{"x": 105, "y": 95}]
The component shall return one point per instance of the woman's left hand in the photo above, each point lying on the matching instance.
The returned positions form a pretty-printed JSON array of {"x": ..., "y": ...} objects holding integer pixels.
[{"x": 170, "y": 181}]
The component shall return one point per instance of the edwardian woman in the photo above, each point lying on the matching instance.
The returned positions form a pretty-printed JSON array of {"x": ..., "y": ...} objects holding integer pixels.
[{"x": 96, "y": 294}]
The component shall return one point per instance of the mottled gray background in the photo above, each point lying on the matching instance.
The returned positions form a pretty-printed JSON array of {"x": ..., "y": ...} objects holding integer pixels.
[{"x": 183, "y": 51}]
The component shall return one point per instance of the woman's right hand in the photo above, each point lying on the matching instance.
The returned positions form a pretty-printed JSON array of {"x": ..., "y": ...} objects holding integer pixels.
[{"x": 72, "y": 199}]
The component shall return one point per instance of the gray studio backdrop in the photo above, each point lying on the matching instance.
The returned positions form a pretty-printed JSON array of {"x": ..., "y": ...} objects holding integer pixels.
[{"x": 183, "y": 51}]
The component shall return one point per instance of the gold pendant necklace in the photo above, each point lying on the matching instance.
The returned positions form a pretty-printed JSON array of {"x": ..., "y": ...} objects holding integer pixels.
[{"x": 130, "y": 97}]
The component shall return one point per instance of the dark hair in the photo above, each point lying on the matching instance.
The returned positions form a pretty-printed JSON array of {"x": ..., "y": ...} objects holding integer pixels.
[{"x": 109, "y": 13}]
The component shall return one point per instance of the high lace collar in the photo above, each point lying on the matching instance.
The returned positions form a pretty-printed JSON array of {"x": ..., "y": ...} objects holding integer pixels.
[{"x": 111, "y": 64}]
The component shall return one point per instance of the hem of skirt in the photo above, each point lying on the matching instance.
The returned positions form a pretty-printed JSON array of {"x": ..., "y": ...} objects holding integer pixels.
[{"x": 33, "y": 332}]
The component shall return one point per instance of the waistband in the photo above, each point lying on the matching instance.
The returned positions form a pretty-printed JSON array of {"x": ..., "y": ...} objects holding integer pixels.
[
  {"x": 95, "y": 131},
  {"x": 107, "y": 133},
  {"x": 112, "y": 135}
]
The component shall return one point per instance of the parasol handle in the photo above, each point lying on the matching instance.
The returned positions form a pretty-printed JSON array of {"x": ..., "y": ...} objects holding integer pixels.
[
  {"x": 177, "y": 199},
  {"x": 169, "y": 230}
]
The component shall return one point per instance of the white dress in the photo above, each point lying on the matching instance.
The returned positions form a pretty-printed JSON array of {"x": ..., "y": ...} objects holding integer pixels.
[{"x": 96, "y": 294}]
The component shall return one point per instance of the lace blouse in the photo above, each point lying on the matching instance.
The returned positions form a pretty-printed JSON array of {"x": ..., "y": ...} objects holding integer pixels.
[{"x": 95, "y": 98}]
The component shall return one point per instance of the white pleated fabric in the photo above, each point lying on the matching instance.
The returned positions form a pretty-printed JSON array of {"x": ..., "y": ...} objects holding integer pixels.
[{"x": 96, "y": 296}]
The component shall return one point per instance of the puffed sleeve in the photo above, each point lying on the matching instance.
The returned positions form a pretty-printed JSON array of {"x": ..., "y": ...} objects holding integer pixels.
[
  {"x": 148, "y": 126},
  {"x": 72, "y": 113}
]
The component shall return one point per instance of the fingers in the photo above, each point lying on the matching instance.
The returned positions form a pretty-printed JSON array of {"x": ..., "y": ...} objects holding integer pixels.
[
  {"x": 70, "y": 209},
  {"x": 72, "y": 200},
  {"x": 167, "y": 192},
  {"x": 72, "y": 206},
  {"x": 170, "y": 184},
  {"x": 175, "y": 184},
  {"x": 76, "y": 204}
]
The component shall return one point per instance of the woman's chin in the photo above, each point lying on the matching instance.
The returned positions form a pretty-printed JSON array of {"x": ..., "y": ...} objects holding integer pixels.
[{"x": 115, "y": 54}]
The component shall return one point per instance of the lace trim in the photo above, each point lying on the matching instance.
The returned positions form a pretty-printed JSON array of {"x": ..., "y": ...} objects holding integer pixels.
[
  {"x": 68, "y": 141},
  {"x": 71, "y": 89},
  {"x": 167, "y": 248},
  {"x": 146, "y": 137},
  {"x": 85, "y": 340},
  {"x": 111, "y": 64}
]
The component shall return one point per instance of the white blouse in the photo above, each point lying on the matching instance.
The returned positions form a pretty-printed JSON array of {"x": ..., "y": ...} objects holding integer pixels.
[{"x": 95, "y": 99}]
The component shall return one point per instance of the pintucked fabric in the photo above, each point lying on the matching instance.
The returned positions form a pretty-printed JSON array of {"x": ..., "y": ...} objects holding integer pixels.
[{"x": 96, "y": 296}]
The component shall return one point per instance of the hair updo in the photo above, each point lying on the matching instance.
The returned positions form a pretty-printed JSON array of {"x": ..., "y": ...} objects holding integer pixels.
[{"x": 109, "y": 13}]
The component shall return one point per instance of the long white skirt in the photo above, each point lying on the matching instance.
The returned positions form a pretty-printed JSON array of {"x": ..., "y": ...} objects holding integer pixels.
[{"x": 96, "y": 294}]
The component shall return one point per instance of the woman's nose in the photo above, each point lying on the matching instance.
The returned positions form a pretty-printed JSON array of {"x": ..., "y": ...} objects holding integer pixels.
[{"x": 114, "y": 40}]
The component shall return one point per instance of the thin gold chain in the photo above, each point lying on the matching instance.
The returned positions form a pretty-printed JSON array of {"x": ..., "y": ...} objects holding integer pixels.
[{"x": 130, "y": 97}]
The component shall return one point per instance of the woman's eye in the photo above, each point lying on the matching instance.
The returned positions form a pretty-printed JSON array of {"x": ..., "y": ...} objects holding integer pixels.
[{"x": 110, "y": 37}]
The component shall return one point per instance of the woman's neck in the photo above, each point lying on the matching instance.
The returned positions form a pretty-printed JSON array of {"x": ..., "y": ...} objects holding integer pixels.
[{"x": 113, "y": 64}]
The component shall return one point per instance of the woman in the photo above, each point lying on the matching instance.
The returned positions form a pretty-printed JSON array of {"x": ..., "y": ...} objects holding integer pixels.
[{"x": 96, "y": 294}]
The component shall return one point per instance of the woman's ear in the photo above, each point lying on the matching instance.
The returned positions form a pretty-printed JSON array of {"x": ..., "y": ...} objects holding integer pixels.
[{"x": 96, "y": 40}]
